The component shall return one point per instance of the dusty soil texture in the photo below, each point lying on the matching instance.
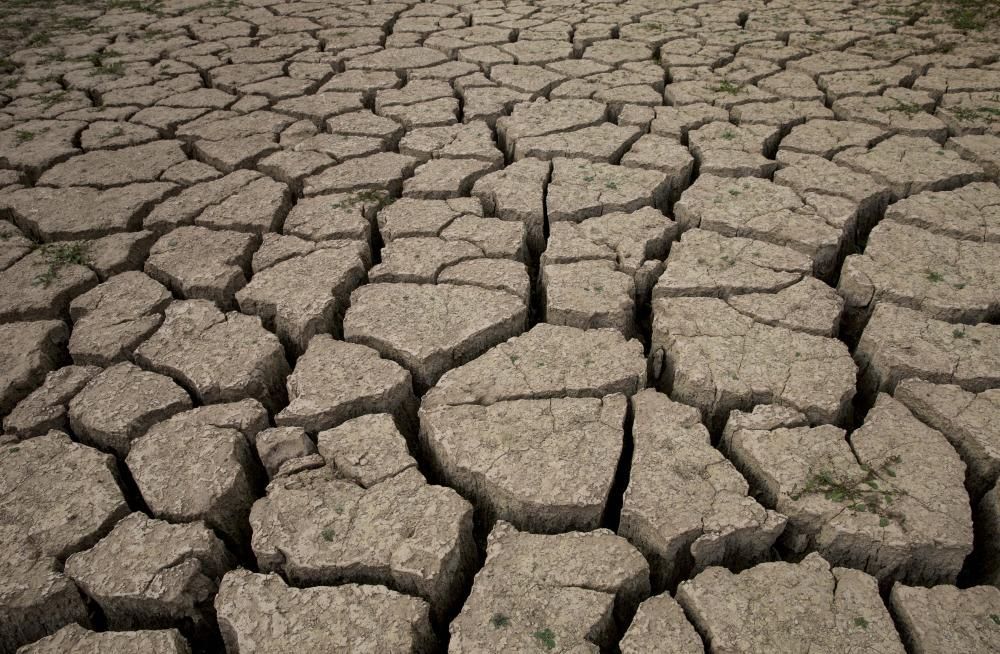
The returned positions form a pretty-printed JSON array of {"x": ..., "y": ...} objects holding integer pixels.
[{"x": 472, "y": 326}]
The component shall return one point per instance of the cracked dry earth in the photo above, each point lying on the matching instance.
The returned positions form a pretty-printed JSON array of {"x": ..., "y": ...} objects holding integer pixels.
[{"x": 471, "y": 326}]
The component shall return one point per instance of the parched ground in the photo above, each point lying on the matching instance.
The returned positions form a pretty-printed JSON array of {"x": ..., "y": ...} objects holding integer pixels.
[{"x": 471, "y": 326}]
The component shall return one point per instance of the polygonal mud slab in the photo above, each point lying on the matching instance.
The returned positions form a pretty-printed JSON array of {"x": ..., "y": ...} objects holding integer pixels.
[
  {"x": 383, "y": 171},
  {"x": 589, "y": 295},
  {"x": 970, "y": 422},
  {"x": 196, "y": 467},
  {"x": 826, "y": 138},
  {"x": 583, "y": 189},
  {"x": 121, "y": 403},
  {"x": 947, "y": 619},
  {"x": 900, "y": 343},
  {"x": 243, "y": 201},
  {"x": 473, "y": 140},
  {"x": 909, "y": 165},
  {"x": 149, "y": 573},
  {"x": 315, "y": 528},
  {"x": 635, "y": 243},
  {"x": 899, "y": 111},
  {"x": 660, "y": 626},
  {"x": 419, "y": 260},
  {"x": 429, "y": 329},
  {"x": 36, "y": 599},
  {"x": 366, "y": 450},
  {"x": 664, "y": 154},
  {"x": 808, "y": 306},
  {"x": 686, "y": 507},
  {"x": 789, "y": 607},
  {"x": 41, "y": 285},
  {"x": 725, "y": 150},
  {"x": 677, "y": 121},
  {"x": 112, "y": 319},
  {"x": 33, "y": 349},
  {"x": 408, "y": 217},
  {"x": 279, "y": 446},
  {"x": 52, "y": 214},
  {"x": 76, "y": 639},
  {"x": 517, "y": 193},
  {"x": 35, "y": 145},
  {"x": 824, "y": 181},
  {"x": 47, "y": 407},
  {"x": 982, "y": 149},
  {"x": 499, "y": 274},
  {"x": 971, "y": 212},
  {"x": 107, "y": 168},
  {"x": 549, "y": 361},
  {"x": 218, "y": 356},
  {"x": 61, "y": 495},
  {"x": 705, "y": 263},
  {"x": 260, "y": 613},
  {"x": 817, "y": 226},
  {"x": 888, "y": 500},
  {"x": 306, "y": 295},
  {"x": 605, "y": 142},
  {"x": 570, "y": 591},
  {"x": 946, "y": 279},
  {"x": 717, "y": 359},
  {"x": 511, "y": 458},
  {"x": 441, "y": 179},
  {"x": 335, "y": 381},
  {"x": 337, "y": 216},
  {"x": 198, "y": 263}
]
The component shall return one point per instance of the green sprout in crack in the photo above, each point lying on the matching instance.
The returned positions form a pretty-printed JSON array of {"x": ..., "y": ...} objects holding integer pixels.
[
  {"x": 729, "y": 134},
  {"x": 23, "y": 136},
  {"x": 546, "y": 638},
  {"x": 958, "y": 333},
  {"x": 327, "y": 534},
  {"x": 909, "y": 108},
  {"x": 499, "y": 620},
  {"x": 863, "y": 494},
  {"x": 725, "y": 86},
  {"x": 367, "y": 196},
  {"x": 58, "y": 255},
  {"x": 611, "y": 184},
  {"x": 733, "y": 192},
  {"x": 934, "y": 276},
  {"x": 860, "y": 622},
  {"x": 995, "y": 618},
  {"x": 967, "y": 115},
  {"x": 52, "y": 99},
  {"x": 972, "y": 14}
]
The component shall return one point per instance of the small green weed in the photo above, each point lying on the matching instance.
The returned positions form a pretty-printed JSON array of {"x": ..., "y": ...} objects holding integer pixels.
[
  {"x": 725, "y": 86},
  {"x": 23, "y": 136},
  {"x": 860, "y": 622},
  {"x": 908, "y": 108},
  {"x": 972, "y": 14},
  {"x": 50, "y": 100},
  {"x": 499, "y": 620},
  {"x": 367, "y": 196},
  {"x": 58, "y": 255},
  {"x": 327, "y": 534},
  {"x": 546, "y": 638},
  {"x": 863, "y": 494},
  {"x": 934, "y": 276}
]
